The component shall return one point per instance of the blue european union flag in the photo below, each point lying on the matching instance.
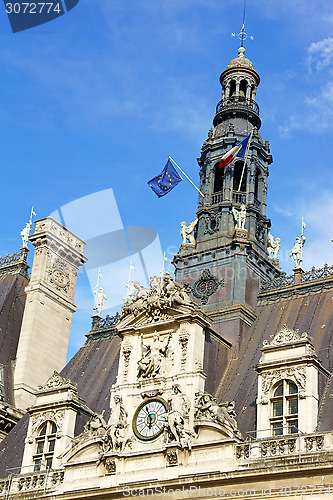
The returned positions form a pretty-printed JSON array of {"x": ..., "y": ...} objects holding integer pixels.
[{"x": 167, "y": 180}]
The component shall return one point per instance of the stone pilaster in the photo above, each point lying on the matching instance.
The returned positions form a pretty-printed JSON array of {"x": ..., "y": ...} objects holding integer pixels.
[{"x": 49, "y": 308}]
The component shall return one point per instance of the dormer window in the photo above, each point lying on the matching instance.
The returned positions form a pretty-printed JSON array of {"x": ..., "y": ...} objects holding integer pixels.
[
  {"x": 284, "y": 409},
  {"x": 45, "y": 444}
]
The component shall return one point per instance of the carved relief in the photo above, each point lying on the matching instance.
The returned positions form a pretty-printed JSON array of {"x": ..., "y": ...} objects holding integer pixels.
[
  {"x": 54, "y": 416},
  {"x": 314, "y": 443},
  {"x": 110, "y": 466},
  {"x": 277, "y": 447},
  {"x": 296, "y": 374},
  {"x": 183, "y": 340},
  {"x": 153, "y": 354},
  {"x": 58, "y": 278},
  {"x": 55, "y": 382},
  {"x": 206, "y": 285},
  {"x": 164, "y": 294},
  {"x": 207, "y": 408},
  {"x": 285, "y": 336},
  {"x": 127, "y": 348},
  {"x": 171, "y": 458},
  {"x": 212, "y": 222}
]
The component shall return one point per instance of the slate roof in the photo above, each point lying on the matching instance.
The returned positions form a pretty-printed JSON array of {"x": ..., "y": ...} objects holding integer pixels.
[
  {"x": 12, "y": 301},
  {"x": 308, "y": 308}
]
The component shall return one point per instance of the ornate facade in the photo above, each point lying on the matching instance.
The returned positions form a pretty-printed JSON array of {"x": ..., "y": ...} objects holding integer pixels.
[{"x": 217, "y": 383}]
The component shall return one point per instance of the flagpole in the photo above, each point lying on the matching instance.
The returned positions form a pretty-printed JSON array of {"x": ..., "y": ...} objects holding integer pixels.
[
  {"x": 182, "y": 171},
  {"x": 245, "y": 159}
]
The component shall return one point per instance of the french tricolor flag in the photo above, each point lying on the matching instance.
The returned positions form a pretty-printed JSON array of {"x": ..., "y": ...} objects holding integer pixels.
[{"x": 238, "y": 151}]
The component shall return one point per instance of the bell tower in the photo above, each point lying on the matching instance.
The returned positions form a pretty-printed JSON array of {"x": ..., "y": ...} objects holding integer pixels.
[{"x": 230, "y": 255}]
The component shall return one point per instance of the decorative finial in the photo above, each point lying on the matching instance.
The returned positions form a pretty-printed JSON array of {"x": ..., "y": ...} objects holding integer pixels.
[
  {"x": 242, "y": 35},
  {"x": 26, "y": 230},
  {"x": 100, "y": 296}
]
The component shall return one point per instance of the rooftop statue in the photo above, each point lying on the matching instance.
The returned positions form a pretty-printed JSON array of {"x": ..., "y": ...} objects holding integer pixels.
[
  {"x": 186, "y": 231},
  {"x": 163, "y": 294},
  {"x": 26, "y": 230},
  {"x": 239, "y": 216},
  {"x": 297, "y": 250},
  {"x": 273, "y": 245}
]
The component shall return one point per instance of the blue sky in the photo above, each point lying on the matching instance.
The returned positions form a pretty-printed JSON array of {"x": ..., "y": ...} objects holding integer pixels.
[{"x": 98, "y": 98}]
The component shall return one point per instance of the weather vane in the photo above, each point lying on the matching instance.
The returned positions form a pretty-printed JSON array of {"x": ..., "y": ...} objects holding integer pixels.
[{"x": 242, "y": 35}]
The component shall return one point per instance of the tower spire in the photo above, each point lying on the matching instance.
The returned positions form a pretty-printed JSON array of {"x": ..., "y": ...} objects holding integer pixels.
[{"x": 242, "y": 35}]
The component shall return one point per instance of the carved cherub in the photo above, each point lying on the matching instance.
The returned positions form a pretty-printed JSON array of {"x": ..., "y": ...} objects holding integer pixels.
[{"x": 186, "y": 231}]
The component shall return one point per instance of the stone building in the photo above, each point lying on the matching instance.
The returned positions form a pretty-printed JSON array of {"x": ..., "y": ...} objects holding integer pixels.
[{"x": 217, "y": 383}]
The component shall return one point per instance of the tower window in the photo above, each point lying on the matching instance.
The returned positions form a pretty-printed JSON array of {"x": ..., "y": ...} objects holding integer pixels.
[
  {"x": 218, "y": 178},
  {"x": 45, "y": 444},
  {"x": 238, "y": 170},
  {"x": 242, "y": 89},
  {"x": 284, "y": 409},
  {"x": 232, "y": 88}
]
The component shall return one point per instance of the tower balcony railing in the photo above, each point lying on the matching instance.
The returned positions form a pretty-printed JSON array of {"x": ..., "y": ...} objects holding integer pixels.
[
  {"x": 238, "y": 102},
  {"x": 237, "y": 197}
]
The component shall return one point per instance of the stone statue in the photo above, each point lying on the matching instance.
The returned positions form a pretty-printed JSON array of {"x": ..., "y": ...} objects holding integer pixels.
[
  {"x": 239, "y": 216},
  {"x": 185, "y": 232},
  {"x": 99, "y": 300},
  {"x": 131, "y": 290},
  {"x": 163, "y": 294},
  {"x": 26, "y": 230},
  {"x": 150, "y": 363},
  {"x": 176, "y": 429},
  {"x": 296, "y": 252},
  {"x": 207, "y": 407},
  {"x": 117, "y": 427},
  {"x": 273, "y": 246}
]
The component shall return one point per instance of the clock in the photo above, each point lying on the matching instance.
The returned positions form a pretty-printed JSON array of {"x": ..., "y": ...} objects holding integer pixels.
[{"x": 150, "y": 418}]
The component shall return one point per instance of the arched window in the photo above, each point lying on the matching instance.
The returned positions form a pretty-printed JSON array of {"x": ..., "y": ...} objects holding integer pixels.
[
  {"x": 218, "y": 178},
  {"x": 242, "y": 90},
  {"x": 284, "y": 409},
  {"x": 238, "y": 169},
  {"x": 45, "y": 444},
  {"x": 232, "y": 88}
]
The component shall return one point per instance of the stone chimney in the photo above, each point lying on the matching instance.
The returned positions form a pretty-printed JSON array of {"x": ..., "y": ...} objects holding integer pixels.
[{"x": 49, "y": 308}]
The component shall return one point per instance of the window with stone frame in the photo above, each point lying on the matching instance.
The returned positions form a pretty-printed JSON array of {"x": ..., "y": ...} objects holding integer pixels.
[
  {"x": 2, "y": 383},
  {"x": 284, "y": 409},
  {"x": 44, "y": 446}
]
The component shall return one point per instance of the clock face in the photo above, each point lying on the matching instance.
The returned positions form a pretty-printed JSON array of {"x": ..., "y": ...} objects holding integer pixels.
[{"x": 149, "y": 419}]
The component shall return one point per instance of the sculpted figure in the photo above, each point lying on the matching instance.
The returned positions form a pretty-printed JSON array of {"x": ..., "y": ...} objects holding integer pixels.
[
  {"x": 239, "y": 216},
  {"x": 273, "y": 245},
  {"x": 185, "y": 231},
  {"x": 99, "y": 300},
  {"x": 224, "y": 414},
  {"x": 177, "y": 417},
  {"x": 296, "y": 252},
  {"x": 117, "y": 425},
  {"x": 150, "y": 363},
  {"x": 175, "y": 292},
  {"x": 25, "y": 234}
]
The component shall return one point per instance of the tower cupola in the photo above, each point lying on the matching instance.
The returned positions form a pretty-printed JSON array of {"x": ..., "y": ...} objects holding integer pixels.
[{"x": 239, "y": 85}]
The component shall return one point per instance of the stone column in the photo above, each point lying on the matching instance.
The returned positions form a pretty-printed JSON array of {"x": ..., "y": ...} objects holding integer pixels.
[{"x": 47, "y": 318}]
